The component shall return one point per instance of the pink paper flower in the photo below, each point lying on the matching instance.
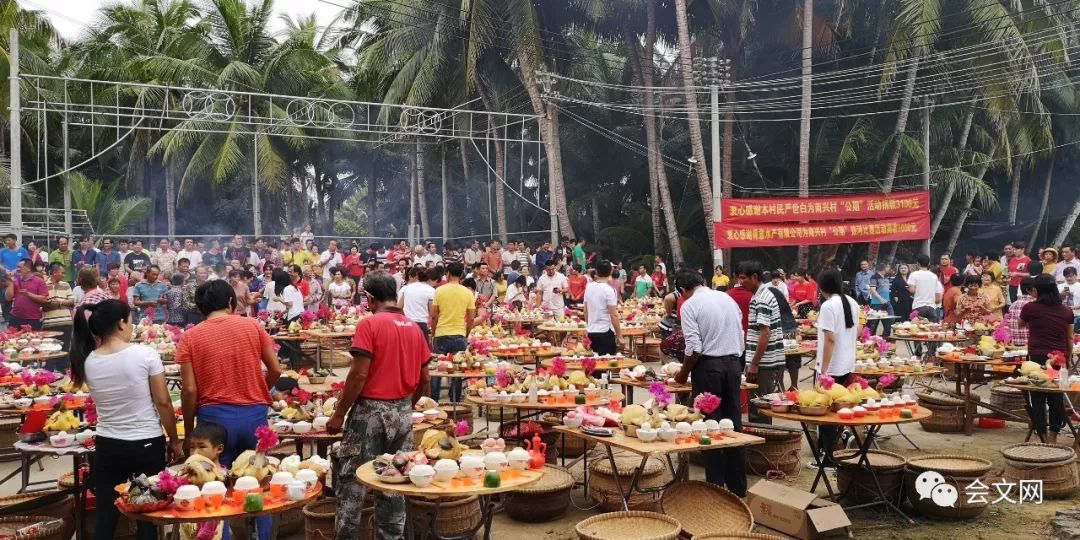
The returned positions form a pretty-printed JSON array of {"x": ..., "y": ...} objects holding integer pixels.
[
  {"x": 913, "y": 315},
  {"x": 866, "y": 334},
  {"x": 660, "y": 393},
  {"x": 863, "y": 383},
  {"x": 461, "y": 428},
  {"x": 1001, "y": 333},
  {"x": 586, "y": 342},
  {"x": 267, "y": 439},
  {"x": 169, "y": 482},
  {"x": 886, "y": 380},
  {"x": 706, "y": 402},
  {"x": 558, "y": 367},
  {"x": 826, "y": 381},
  {"x": 502, "y": 378},
  {"x": 588, "y": 365}
]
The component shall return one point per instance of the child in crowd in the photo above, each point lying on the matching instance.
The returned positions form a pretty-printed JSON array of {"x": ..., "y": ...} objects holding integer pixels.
[
  {"x": 175, "y": 313},
  {"x": 207, "y": 440},
  {"x": 116, "y": 290}
]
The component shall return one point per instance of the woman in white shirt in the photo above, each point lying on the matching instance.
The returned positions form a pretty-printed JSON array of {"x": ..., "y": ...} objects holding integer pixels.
[
  {"x": 285, "y": 297},
  {"x": 127, "y": 382},
  {"x": 838, "y": 332},
  {"x": 517, "y": 293}
]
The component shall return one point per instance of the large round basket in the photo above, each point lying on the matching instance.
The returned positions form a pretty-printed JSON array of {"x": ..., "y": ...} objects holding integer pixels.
[
  {"x": 631, "y": 525},
  {"x": 857, "y": 484},
  {"x": 779, "y": 453},
  {"x": 319, "y": 517},
  {"x": 544, "y": 500},
  {"x": 1008, "y": 398},
  {"x": 603, "y": 490},
  {"x": 1054, "y": 466},
  {"x": 453, "y": 518},
  {"x": 957, "y": 471},
  {"x": 948, "y": 414},
  {"x": 10, "y": 525},
  {"x": 42, "y": 503},
  {"x": 743, "y": 536},
  {"x": 702, "y": 508}
]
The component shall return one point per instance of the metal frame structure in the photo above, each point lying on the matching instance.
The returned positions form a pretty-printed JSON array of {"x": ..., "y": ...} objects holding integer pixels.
[{"x": 124, "y": 107}]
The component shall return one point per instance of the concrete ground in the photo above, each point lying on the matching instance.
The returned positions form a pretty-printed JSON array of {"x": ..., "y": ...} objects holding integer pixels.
[{"x": 999, "y": 521}]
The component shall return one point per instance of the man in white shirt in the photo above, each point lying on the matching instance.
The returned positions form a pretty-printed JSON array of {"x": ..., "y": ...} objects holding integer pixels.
[
  {"x": 602, "y": 312},
  {"x": 473, "y": 255},
  {"x": 430, "y": 256},
  {"x": 330, "y": 258},
  {"x": 1070, "y": 291},
  {"x": 416, "y": 296},
  {"x": 509, "y": 255},
  {"x": 712, "y": 327},
  {"x": 306, "y": 236},
  {"x": 925, "y": 289},
  {"x": 190, "y": 253},
  {"x": 1068, "y": 260},
  {"x": 552, "y": 286}
]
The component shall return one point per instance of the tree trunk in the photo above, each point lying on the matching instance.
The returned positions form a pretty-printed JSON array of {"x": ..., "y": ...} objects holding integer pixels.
[
  {"x": 1067, "y": 225},
  {"x": 901, "y": 126},
  {"x": 1014, "y": 195},
  {"x": 595, "y": 203},
  {"x": 804, "y": 117},
  {"x": 663, "y": 217},
  {"x": 549, "y": 132},
  {"x": 421, "y": 190},
  {"x": 950, "y": 190},
  {"x": 465, "y": 172},
  {"x": 445, "y": 195},
  {"x": 372, "y": 198},
  {"x": 954, "y": 235},
  {"x": 500, "y": 190},
  {"x": 1043, "y": 204},
  {"x": 170, "y": 201},
  {"x": 696, "y": 146},
  {"x": 925, "y": 168},
  {"x": 412, "y": 196}
]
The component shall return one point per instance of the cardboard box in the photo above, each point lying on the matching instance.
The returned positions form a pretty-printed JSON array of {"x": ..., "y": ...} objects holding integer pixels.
[{"x": 795, "y": 512}]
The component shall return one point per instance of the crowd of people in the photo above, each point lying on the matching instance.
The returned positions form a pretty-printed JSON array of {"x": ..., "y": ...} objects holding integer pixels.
[{"x": 425, "y": 300}]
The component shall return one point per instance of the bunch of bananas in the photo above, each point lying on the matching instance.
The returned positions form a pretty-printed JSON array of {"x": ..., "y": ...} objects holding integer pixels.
[
  {"x": 62, "y": 421},
  {"x": 199, "y": 470},
  {"x": 436, "y": 444}
]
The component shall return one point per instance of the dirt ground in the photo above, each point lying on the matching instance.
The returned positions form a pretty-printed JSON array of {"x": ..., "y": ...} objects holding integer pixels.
[{"x": 1000, "y": 521}]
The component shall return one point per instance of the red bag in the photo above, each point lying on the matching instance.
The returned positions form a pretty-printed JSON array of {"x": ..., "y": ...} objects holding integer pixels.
[{"x": 674, "y": 345}]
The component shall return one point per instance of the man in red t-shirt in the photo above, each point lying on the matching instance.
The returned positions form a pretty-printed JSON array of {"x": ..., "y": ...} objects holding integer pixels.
[
  {"x": 1018, "y": 268},
  {"x": 389, "y": 373},
  {"x": 578, "y": 282},
  {"x": 946, "y": 271}
]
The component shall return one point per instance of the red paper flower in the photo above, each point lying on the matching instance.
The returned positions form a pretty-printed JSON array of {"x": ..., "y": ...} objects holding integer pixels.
[
  {"x": 588, "y": 364},
  {"x": 558, "y": 367},
  {"x": 707, "y": 402},
  {"x": 267, "y": 439}
]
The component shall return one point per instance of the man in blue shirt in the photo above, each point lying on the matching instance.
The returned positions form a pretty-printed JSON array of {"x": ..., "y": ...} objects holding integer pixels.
[
  {"x": 543, "y": 255},
  {"x": 85, "y": 256},
  {"x": 107, "y": 256},
  {"x": 150, "y": 294},
  {"x": 862, "y": 282},
  {"x": 12, "y": 253}
]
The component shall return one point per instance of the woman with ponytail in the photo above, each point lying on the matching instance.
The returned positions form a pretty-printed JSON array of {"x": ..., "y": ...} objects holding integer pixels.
[
  {"x": 838, "y": 332},
  {"x": 127, "y": 382}
]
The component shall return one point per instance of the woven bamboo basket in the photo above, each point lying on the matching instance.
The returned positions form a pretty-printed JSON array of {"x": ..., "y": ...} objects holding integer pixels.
[
  {"x": 544, "y": 500},
  {"x": 779, "y": 453},
  {"x": 959, "y": 472},
  {"x": 61, "y": 509},
  {"x": 631, "y": 525},
  {"x": 1008, "y": 398},
  {"x": 651, "y": 351},
  {"x": 319, "y": 517},
  {"x": 10, "y": 524},
  {"x": 9, "y": 434},
  {"x": 743, "y": 536},
  {"x": 455, "y": 517},
  {"x": 1053, "y": 465},
  {"x": 947, "y": 417},
  {"x": 858, "y": 485},
  {"x": 459, "y": 411},
  {"x": 602, "y": 488},
  {"x": 702, "y": 508}
]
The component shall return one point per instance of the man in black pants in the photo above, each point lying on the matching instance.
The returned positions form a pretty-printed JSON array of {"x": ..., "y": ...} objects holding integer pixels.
[
  {"x": 602, "y": 311},
  {"x": 712, "y": 326}
]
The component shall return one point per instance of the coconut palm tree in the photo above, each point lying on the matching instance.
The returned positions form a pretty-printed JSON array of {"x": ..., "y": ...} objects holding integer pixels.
[
  {"x": 108, "y": 212},
  {"x": 685, "y": 56}
]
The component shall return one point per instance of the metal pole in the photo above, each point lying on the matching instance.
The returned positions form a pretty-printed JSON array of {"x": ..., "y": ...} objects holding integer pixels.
[
  {"x": 15, "y": 135},
  {"x": 714, "y": 96},
  {"x": 445, "y": 218},
  {"x": 926, "y": 159},
  {"x": 67, "y": 184},
  {"x": 256, "y": 204}
]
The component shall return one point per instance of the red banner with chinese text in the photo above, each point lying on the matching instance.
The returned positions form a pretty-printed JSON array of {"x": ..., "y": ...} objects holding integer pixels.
[
  {"x": 750, "y": 235},
  {"x": 831, "y": 208}
]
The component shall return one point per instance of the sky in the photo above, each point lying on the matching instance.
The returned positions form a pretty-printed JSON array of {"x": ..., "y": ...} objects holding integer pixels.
[{"x": 71, "y": 17}]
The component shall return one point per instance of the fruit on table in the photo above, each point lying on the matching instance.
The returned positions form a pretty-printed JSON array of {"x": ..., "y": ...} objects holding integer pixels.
[
  {"x": 436, "y": 444},
  {"x": 253, "y": 502},
  {"x": 252, "y": 463},
  {"x": 199, "y": 470},
  {"x": 492, "y": 479},
  {"x": 579, "y": 399},
  {"x": 62, "y": 421}
]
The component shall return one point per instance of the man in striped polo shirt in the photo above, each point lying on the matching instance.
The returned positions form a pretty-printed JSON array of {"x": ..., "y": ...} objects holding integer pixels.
[{"x": 764, "y": 336}]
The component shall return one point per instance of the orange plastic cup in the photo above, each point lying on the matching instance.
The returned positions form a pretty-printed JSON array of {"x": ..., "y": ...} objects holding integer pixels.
[
  {"x": 238, "y": 496},
  {"x": 277, "y": 491},
  {"x": 215, "y": 500}
]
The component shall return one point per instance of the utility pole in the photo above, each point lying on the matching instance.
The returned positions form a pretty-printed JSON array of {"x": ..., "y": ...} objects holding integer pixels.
[
  {"x": 714, "y": 72},
  {"x": 67, "y": 183},
  {"x": 15, "y": 135},
  {"x": 926, "y": 158},
  {"x": 256, "y": 204},
  {"x": 445, "y": 217}
]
